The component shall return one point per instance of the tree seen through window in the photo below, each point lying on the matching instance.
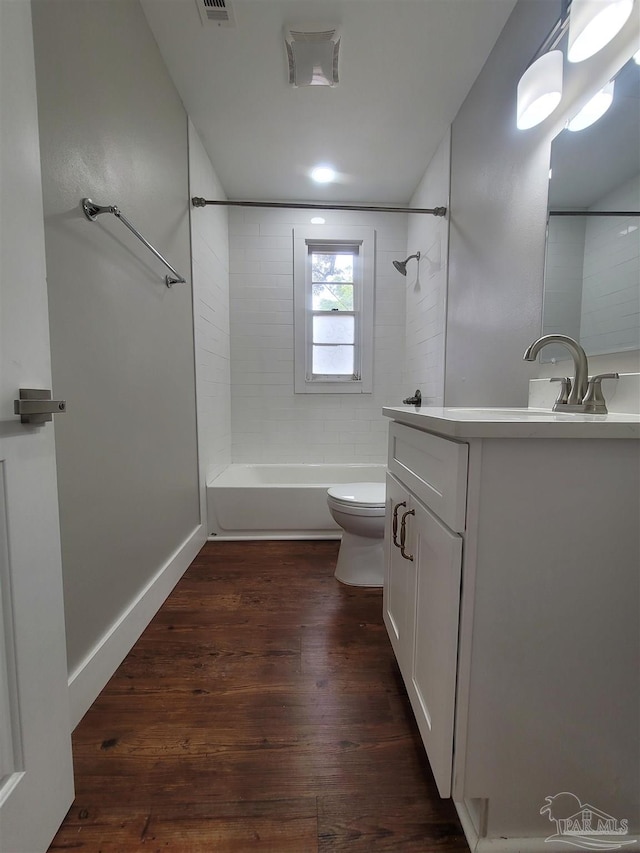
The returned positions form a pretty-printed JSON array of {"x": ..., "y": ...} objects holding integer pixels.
[{"x": 332, "y": 281}]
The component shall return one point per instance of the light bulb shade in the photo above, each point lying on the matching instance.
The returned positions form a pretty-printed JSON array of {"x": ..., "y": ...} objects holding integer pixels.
[
  {"x": 594, "y": 109},
  {"x": 539, "y": 90},
  {"x": 592, "y": 25}
]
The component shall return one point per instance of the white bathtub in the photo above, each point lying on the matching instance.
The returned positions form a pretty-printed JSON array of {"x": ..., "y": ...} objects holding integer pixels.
[{"x": 280, "y": 501}]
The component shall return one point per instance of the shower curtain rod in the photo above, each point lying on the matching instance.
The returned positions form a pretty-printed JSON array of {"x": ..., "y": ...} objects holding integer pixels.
[
  {"x": 197, "y": 201},
  {"x": 594, "y": 213}
]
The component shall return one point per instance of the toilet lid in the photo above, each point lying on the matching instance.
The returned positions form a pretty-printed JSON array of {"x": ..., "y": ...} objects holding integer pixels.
[{"x": 364, "y": 494}]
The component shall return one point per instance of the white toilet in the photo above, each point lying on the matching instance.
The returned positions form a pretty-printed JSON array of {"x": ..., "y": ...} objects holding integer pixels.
[{"x": 359, "y": 509}]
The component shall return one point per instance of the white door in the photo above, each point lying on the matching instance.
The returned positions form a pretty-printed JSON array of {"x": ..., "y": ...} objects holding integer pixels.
[{"x": 36, "y": 777}]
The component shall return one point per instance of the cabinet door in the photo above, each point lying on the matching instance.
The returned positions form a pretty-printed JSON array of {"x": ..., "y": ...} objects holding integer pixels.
[
  {"x": 399, "y": 581},
  {"x": 437, "y": 557}
]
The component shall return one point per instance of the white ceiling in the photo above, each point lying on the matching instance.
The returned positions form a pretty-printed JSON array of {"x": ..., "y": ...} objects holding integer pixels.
[{"x": 405, "y": 68}]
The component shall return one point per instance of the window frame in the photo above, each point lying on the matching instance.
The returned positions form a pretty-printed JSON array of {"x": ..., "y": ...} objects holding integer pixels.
[{"x": 321, "y": 238}]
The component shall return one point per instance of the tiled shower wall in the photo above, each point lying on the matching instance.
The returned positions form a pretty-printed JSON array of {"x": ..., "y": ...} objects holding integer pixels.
[
  {"x": 269, "y": 422},
  {"x": 426, "y": 282},
  {"x": 610, "y": 292},
  {"x": 591, "y": 277},
  {"x": 563, "y": 281},
  {"x": 210, "y": 265}
]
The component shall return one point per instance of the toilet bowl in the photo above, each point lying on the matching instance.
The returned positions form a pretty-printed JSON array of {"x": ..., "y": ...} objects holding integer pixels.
[{"x": 359, "y": 509}]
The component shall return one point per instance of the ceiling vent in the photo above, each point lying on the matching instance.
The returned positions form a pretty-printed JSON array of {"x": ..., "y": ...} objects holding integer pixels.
[
  {"x": 217, "y": 12},
  {"x": 312, "y": 54}
]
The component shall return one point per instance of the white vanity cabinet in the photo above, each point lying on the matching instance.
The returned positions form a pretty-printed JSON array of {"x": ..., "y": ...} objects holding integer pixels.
[
  {"x": 422, "y": 584},
  {"x": 513, "y": 613}
]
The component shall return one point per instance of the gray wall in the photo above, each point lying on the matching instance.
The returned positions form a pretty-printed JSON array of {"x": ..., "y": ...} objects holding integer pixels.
[
  {"x": 499, "y": 188},
  {"x": 499, "y": 179},
  {"x": 112, "y": 127}
]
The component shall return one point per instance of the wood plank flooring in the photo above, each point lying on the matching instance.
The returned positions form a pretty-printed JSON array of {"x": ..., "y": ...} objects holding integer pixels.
[{"x": 261, "y": 710}]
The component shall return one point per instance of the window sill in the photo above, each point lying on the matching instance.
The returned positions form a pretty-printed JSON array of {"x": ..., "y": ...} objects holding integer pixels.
[{"x": 322, "y": 386}]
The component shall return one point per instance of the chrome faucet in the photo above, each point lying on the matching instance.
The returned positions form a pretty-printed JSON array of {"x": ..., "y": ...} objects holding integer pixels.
[
  {"x": 581, "y": 393},
  {"x": 580, "y": 366}
]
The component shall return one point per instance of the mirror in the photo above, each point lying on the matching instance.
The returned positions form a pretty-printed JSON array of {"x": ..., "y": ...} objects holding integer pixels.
[{"x": 592, "y": 271}]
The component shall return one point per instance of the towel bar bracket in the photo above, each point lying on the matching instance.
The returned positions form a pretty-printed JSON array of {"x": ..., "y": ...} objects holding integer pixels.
[{"x": 92, "y": 211}]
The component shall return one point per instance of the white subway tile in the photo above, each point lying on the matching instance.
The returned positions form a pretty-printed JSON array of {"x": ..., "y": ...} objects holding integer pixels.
[{"x": 304, "y": 427}]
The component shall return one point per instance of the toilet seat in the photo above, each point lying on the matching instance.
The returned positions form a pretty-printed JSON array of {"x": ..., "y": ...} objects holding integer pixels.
[{"x": 358, "y": 495}]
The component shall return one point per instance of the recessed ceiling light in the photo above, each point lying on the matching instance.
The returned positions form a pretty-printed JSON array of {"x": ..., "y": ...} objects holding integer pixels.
[
  {"x": 317, "y": 220},
  {"x": 323, "y": 174}
]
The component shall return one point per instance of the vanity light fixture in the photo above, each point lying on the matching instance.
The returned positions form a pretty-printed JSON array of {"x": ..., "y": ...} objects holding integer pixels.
[
  {"x": 317, "y": 220},
  {"x": 593, "y": 109},
  {"x": 592, "y": 25},
  {"x": 323, "y": 174},
  {"x": 539, "y": 90}
]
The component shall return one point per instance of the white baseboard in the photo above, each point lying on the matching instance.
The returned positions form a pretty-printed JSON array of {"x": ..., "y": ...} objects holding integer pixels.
[
  {"x": 531, "y": 845},
  {"x": 468, "y": 827},
  {"x": 91, "y": 675},
  {"x": 541, "y": 845},
  {"x": 268, "y": 537}
]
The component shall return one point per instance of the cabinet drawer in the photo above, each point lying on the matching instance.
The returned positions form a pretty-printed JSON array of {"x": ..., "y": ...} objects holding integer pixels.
[{"x": 434, "y": 468}]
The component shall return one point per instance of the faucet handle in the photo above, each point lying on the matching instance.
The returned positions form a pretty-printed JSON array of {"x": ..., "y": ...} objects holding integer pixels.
[
  {"x": 565, "y": 390},
  {"x": 602, "y": 376},
  {"x": 594, "y": 401}
]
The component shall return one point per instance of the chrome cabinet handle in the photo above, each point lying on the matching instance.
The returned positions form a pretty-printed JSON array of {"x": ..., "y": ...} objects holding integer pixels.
[
  {"x": 403, "y": 534},
  {"x": 395, "y": 523}
]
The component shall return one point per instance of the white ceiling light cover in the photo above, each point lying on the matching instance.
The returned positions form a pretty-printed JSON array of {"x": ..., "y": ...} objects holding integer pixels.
[
  {"x": 592, "y": 25},
  {"x": 593, "y": 109},
  {"x": 312, "y": 55},
  {"x": 539, "y": 90}
]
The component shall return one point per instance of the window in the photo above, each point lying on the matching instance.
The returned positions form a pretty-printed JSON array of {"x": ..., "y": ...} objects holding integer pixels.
[{"x": 333, "y": 286}]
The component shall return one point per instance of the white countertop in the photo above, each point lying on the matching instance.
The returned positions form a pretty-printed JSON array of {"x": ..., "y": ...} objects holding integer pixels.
[{"x": 514, "y": 423}]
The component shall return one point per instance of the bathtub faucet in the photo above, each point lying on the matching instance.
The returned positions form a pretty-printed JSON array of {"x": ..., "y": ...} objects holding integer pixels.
[{"x": 416, "y": 400}]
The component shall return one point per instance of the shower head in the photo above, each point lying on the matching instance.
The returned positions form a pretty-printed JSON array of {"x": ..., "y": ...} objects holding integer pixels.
[{"x": 401, "y": 266}]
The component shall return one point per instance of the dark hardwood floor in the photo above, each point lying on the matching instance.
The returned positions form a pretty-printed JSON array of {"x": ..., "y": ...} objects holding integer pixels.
[{"x": 261, "y": 710}]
